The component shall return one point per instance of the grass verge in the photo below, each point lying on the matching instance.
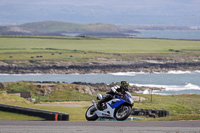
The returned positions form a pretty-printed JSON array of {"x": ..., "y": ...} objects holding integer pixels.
[{"x": 181, "y": 107}]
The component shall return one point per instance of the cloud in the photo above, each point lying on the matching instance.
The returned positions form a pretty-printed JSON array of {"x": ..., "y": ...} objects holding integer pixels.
[
  {"x": 52, "y": 2},
  {"x": 108, "y": 11},
  {"x": 122, "y": 4}
]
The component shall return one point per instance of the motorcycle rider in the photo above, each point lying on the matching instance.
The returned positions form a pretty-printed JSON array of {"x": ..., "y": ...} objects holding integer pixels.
[{"x": 115, "y": 90}]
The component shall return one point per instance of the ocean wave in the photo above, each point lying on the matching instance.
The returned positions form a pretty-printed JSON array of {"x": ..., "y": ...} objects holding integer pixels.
[
  {"x": 2, "y": 74},
  {"x": 169, "y": 72},
  {"x": 167, "y": 88},
  {"x": 192, "y": 87},
  {"x": 73, "y": 74},
  {"x": 179, "y": 72},
  {"x": 197, "y": 71},
  {"x": 127, "y": 73},
  {"x": 33, "y": 74},
  {"x": 175, "y": 72}
]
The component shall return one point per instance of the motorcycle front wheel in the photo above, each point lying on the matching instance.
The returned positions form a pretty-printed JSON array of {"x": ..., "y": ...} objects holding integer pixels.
[
  {"x": 90, "y": 114},
  {"x": 123, "y": 112}
]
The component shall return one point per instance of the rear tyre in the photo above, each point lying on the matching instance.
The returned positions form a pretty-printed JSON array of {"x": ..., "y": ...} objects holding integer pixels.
[
  {"x": 90, "y": 114},
  {"x": 123, "y": 112}
]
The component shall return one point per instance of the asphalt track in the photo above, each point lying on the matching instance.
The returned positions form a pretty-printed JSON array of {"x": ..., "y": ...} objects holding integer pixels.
[{"x": 99, "y": 127}]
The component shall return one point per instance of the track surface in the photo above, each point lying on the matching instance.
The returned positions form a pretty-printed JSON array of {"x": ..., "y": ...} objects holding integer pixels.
[{"x": 99, "y": 126}]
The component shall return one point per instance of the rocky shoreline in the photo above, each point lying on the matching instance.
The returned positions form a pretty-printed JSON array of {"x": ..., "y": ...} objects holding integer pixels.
[
  {"x": 46, "y": 88},
  {"x": 99, "y": 68},
  {"x": 64, "y": 68},
  {"x": 102, "y": 87}
]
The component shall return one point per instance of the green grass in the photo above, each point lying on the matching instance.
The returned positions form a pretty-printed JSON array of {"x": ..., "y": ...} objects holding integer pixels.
[
  {"x": 59, "y": 92},
  {"x": 76, "y": 49},
  {"x": 81, "y": 50},
  {"x": 13, "y": 99},
  {"x": 21, "y": 86},
  {"x": 75, "y": 113},
  {"x": 30, "y": 55},
  {"x": 181, "y": 107},
  {"x": 65, "y": 95},
  {"x": 110, "y": 45},
  {"x": 176, "y": 103}
]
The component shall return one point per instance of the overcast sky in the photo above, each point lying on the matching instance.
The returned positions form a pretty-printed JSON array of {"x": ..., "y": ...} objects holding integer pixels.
[{"x": 120, "y": 12}]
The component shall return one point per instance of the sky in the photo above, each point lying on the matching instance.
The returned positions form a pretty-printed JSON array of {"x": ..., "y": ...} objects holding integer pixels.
[{"x": 118, "y": 12}]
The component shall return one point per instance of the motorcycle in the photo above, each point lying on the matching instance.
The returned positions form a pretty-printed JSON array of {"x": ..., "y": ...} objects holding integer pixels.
[{"x": 118, "y": 108}]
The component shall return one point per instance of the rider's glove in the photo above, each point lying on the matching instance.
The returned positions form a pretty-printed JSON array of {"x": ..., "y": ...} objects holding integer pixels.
[
  {"x": 119, "y": 94},
  {"x": 116, "y": 87}
]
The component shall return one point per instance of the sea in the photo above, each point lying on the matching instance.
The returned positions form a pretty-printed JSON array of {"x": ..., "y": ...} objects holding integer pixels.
[
  {"x": 165, "y": 34},
  {"x": 173, "y": 82},
  {"x": 169, "y": 34}
]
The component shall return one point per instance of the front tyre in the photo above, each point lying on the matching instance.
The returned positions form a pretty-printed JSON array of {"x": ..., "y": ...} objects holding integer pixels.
[
  {"x": 123, "y": 112},
  {"x": 90, "y": 114}
]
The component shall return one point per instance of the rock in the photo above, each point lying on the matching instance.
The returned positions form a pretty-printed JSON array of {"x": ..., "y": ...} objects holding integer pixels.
[
  {"x": 62, "y": 68},
  {"x": 1, "y": 86},
  {"x": 102, "y": 87},
  {"x": 88, "y": 90}
]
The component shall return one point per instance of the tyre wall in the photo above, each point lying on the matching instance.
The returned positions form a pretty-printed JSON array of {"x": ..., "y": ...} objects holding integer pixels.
[
  {"x": 47, "y": 115},
  {"x": 150, "y": 113}
]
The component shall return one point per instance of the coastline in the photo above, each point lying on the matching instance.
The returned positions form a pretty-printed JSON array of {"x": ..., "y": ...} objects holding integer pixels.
[
  {"x": 148, "y": 67},
  {"x": 148, "y": 82}
]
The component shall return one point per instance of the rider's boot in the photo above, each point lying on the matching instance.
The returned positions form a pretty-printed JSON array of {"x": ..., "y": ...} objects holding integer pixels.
[
  {"x": 105, "y": 99},
  {"x": 100, "y": 104}
]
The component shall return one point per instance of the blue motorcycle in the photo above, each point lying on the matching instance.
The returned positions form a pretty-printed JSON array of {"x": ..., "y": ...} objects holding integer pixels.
[{"x": 118, "y": 108}]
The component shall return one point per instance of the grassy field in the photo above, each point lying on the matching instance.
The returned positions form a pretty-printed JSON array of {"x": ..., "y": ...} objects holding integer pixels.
[
  {"x": 64, "y": 48},
  {"x": 59, "y": 92},
  {"x": 110, "y": 45},
  {"x": 181, "y": 107}
]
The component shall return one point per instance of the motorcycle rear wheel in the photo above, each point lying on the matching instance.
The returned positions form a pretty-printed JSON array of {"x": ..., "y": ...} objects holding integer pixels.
[
  {"x": 123, "y": 112},
  {"x": 90, "y": 114}
]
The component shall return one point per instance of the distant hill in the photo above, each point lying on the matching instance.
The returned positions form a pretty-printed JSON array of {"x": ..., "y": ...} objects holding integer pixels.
[
  {"x": 58, "y": 28},
  {"x": 98, "y": 29},
  {"x": 54, "y": 26},
  {"x": 51, "y": 26}
]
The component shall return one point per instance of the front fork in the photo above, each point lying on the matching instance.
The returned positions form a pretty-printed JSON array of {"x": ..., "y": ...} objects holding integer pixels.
[{"x": 94, "y": 103}]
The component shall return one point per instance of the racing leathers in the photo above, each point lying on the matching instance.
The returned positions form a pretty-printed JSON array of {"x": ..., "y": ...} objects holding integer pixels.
[{"x": 115, "y": 90}]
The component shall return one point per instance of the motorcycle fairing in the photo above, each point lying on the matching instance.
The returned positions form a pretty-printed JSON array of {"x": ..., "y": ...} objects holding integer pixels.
[
  {"x": 117, "y": 103},
  {"x": 111, "y": 106}
]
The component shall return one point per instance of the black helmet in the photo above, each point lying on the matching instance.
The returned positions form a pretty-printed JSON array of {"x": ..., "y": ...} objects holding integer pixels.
[{"x": 124, "y": 85}]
